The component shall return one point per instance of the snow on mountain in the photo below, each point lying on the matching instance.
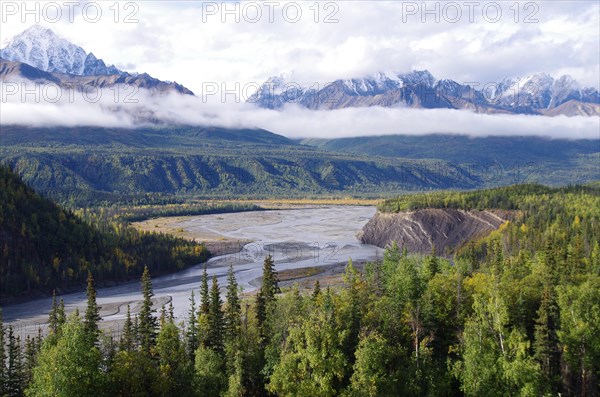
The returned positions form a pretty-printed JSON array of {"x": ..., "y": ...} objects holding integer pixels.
[
  {"x": 532, "y": 94},
  {"x": 43, "y": 49}
]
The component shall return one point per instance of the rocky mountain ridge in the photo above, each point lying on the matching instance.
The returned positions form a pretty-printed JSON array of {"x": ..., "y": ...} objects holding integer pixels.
[{"x": 539, "y": 94}]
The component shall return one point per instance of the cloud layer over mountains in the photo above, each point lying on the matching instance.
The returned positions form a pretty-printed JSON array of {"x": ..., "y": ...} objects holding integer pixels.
[{"x": 109, "y": 108}]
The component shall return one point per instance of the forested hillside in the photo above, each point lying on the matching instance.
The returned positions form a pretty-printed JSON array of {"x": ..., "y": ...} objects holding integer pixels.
[
  {"x": 506, "y": 151},
  {"x": 84, "y": 166},
  {"x": 516, "y": 314},
  {"x": 44, "y": 247}
]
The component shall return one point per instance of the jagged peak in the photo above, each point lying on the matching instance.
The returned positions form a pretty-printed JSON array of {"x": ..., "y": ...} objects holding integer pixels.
[{"x": 40, "y": 47}]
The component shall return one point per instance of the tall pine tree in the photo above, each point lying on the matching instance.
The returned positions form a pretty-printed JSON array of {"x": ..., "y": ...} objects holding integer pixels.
[
  {"x": 127, "y": 341},
  {"x": 148, "y": 323},
  {"x": 192, "y": 328},
  {"x": 546, "y": 346},
  {"x": 215, "y": 318},
  {"x": 204, "y": 294},
  {"x": 14, "y": 367},
  {"x": 53, "y": 317},
  {"x": 266, "y": 295},
  {"x": 61, "y": 315},
  {"x": 92, "y": 313},
  {"x": 30, "y": 359},
  {"x": 233, "y": 310}
]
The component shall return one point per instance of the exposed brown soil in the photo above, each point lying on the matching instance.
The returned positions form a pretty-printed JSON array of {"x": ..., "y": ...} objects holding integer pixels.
[{"x": 418, "y": 230}]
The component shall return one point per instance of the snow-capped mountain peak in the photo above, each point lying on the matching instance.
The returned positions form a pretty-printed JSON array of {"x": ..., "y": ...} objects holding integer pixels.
[
  {"x": 41, "y": 48},
  {"x": 533, "y": 94}
]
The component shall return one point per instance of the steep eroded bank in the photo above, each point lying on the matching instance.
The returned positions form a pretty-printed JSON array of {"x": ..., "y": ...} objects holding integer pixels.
[{"x": 418, "y": 230}]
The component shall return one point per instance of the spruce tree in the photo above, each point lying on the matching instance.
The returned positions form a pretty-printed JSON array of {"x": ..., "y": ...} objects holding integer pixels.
[
  {"x": 14, "y": 367},
  {"x": 192, "y": 329},
  {"x": 127, "y": 340},
  {"x": 53, "y": 317},
  {"x": 148, "y": 324},
  {"x": 92, "y": 313},
  {"x": 30, "y": 359},
  {"x": 215, "y": 318},
  {"x": 266, "y": 295},
  {"x": 546, "y": 343},
  {"x": 204, "y": 294},
  {"x": 162, "y": 319},
  {"x": 171, "y": 312},
  {"x": 61, "y": 316},
  {"x": 233, "y": 311},
  {"x": 352, "y": 280}
]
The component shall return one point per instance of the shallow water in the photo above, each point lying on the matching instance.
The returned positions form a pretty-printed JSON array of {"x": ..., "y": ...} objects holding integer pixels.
[{"x": 296, "y": 238}]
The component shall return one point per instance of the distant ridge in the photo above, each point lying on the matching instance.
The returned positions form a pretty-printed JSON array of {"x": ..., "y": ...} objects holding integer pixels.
[{"x": 538, "y": 94}]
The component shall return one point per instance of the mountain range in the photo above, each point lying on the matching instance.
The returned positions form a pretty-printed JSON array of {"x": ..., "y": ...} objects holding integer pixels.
[
  {"x": 39, "y": 55},
  {"x": 86, "y": 165},
  {"x": 538, "y": 94}
]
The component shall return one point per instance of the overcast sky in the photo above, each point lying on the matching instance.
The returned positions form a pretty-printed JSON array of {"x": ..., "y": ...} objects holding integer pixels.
[
  {"x": 197, "y": 43},
  {"x": 194, "y": 42}
]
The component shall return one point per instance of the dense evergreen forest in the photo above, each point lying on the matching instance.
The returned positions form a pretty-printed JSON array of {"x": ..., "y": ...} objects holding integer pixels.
[
  {"x": 44, "y": 247},
  {"x": 515, "y": 314}
]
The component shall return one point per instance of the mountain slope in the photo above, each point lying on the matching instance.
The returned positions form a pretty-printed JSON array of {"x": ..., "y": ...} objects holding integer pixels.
[
  {"x": 16, "y": 72},
  {"x": 95, "y": 164},
  {"x": 504, "y": 151},
  {"x": 43, "y": 247}
]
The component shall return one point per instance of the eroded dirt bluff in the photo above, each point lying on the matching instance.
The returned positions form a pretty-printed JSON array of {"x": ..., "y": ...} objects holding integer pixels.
[{"x": 418, "y": 230}]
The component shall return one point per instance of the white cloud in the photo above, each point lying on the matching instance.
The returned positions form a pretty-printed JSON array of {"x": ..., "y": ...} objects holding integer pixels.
[
  {"x": 178, "y": 41},
  {"x": 292, "y": 121}
]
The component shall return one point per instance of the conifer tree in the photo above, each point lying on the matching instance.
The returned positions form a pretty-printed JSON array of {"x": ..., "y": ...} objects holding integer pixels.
[
  {"x": 61, "y": 316},
  {"x": 215, "y": 318},
  {"x": 266, "y": 295},
  {"x": 127, "y": 340},
  {"x": 148, "y": 325},
  {"x": 162, "y": 319},
  {"x": 546, "y": 350},
  {"x": 204, "y": 293},
  {"x": 136, "y": 331},
  {"x": 352, "y": 280},
  {"x": 53, "y": 317},
  {"x": 92, "y": 313},
  {"x": 192, "y": 328},
  {"x": 14, "y": 367},
  {"x": 30, "y": 359},
  {"x": 233, "y": 310},
  {"x": 171, "y": 312}
]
